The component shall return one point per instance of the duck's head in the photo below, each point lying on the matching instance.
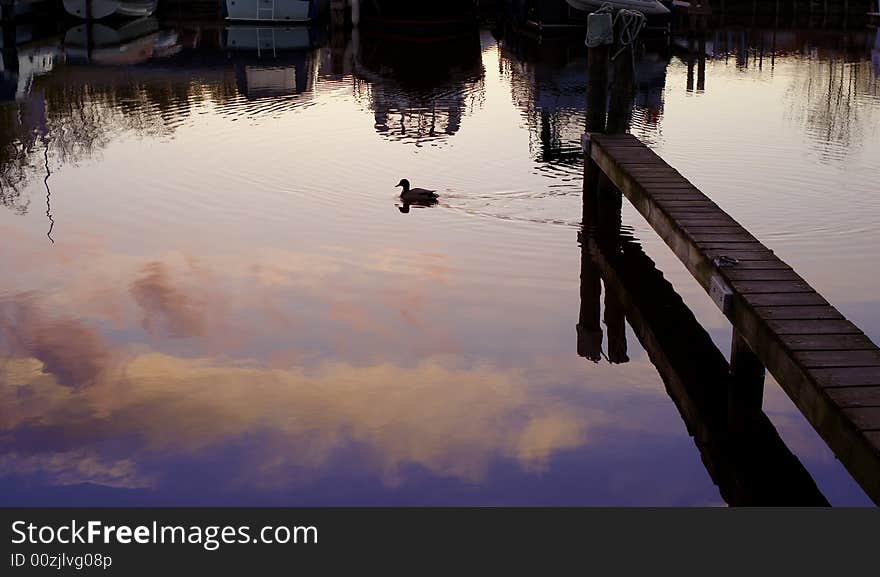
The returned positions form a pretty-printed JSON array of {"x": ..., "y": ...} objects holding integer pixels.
[{"x": 404, "y": 183}]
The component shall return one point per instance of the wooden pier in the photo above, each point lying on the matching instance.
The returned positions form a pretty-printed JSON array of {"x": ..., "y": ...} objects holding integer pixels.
[
  {"x": 738, "y": 444},
  {"x": 826, "y": 365}
]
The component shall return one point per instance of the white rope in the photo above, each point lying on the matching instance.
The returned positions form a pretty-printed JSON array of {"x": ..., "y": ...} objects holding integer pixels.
[{"x": 632, "y": 23}]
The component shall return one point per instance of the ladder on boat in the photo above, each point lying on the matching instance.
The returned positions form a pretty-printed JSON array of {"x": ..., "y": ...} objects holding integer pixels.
[
  {"x": 265, "y": 9},
  {"x": 265, "y": 39}
]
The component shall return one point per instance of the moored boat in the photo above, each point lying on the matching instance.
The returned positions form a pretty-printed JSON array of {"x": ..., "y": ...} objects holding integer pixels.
[
  {"x": 269, "y": 10},
  {"x": 646, "y": 7},
  {"x": 97, "y": 9}
]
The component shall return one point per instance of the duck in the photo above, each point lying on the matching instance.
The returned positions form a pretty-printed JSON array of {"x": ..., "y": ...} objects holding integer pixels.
[{"x": 415, "y": 195}]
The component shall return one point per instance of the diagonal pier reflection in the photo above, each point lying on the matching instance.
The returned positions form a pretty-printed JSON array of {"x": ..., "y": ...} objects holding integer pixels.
[{"x": 739, "y": 446}]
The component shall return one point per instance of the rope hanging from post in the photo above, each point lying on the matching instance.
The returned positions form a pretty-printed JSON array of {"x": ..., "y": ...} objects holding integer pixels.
[{"x": 632, "y": 22}]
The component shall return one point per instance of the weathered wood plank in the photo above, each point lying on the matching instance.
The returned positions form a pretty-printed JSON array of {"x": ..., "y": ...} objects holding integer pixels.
[
  {"x": 652, "y": 184},
  {"x": 853, "y": 342},
  {"x": 842, "y": 358},
  {"x": 796, "y": 312},
  {"x": 687, "y": 203},
  {"x": 687, "y": 211},
  {"x": 851, "y": 397},
  {"x": 865, "y": 418},
  {"x": 765, "y": 264},
  {"x": 743, "y": 254},
  {"x": 725, "y": 248},
  {"x": 719, "y": 229},
  {"x": 722, "y": 237},
  {"x": 848, "y": 376},
  {"x": 736, "y": 273},
  {"x": 673, "y": 195},
  {"x": 707, "y": 220},
  {"x": 874, "y": 438},
  {"x": 771, "y": 286},
  {"x": 784, "y": 299},
  {"x": 813, "y": 327}
]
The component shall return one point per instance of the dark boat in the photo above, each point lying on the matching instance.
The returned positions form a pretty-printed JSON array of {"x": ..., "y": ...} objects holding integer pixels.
[{"x": 410, "y": 15}]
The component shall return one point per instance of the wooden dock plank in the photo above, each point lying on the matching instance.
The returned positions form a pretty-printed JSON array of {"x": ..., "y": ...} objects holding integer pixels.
[
  {"x": 780, "y": 300},
  {"x": 852, "y": 397},
  {"x": 865, "y": 418},
  {"x": 848, "y": 376},
  {"x": 796, "y": 312},
  {"x": 813, "y": 327},
  {"x": 766, "y": 264},
  {"x": 826, "y": 365},
  {"x": 702, "y": 229},
  {"x": 840, "y": 358},
  {"x": 771, "y": 286},
  {"x": 743, "y": 254},
  {"x": 853, "y": 342},
  {"x": 722, "y": 237},
  {"x": 737, "y": 273}
]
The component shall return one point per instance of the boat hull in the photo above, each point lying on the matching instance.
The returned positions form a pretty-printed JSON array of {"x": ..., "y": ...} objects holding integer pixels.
[
  {"x": 97, "y": 9},
  {"x": 288, "y": 11},
  {"x": 409, "y": 13},
  {"x": 646, "y": 7}
]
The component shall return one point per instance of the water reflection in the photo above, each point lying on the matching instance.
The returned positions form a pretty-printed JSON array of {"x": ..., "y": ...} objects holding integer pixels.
[
  {"x": 271, "y": 62},
  {"x": 738, "y": 444},
  {"x": 549, "y": 83},
  {"x": 405, "y": 206},
  {"x": 419, "y": 87}
]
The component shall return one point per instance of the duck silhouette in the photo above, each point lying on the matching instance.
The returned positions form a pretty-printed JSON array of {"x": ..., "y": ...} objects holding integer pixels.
[{"x": 416, "y": 195}]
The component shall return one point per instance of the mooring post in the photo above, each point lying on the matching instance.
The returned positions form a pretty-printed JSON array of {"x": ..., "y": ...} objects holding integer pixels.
[
  {"x": 701, "y": 60},
  {"x": 355, "y": 13},
  {"x": 746, "y": 392},
  {"x": 608, "y": 233},
  {"x": 589, "y": 329},
  {"x": 600, "y": 34},
  {"x": 620, "y": 98}
]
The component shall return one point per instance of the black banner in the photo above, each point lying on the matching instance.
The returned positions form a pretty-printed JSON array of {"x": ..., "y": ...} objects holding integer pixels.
[{"x": 414, "y": 540}]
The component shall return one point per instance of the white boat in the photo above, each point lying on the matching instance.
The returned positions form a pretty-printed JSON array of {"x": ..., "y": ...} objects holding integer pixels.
[
  {"x": 135, "y": 42},
  {"x": 269, "y": 10},
  {"x": 646, "y": 7},
  {"x": 269, "y": 39},
  {"x": 96, "y": 9}
]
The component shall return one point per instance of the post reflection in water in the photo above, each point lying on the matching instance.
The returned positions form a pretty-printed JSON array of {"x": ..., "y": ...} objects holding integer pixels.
[
  {"x": 233, "y": 313},
  {"x": 739, "y": 446}
]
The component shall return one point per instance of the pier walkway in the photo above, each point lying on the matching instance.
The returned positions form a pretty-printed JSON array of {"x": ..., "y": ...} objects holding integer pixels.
[{"x": 825, "y": 363}]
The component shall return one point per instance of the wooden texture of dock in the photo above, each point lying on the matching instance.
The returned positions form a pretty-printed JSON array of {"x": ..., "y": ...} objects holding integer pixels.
[{"x": 825, "y": 363}]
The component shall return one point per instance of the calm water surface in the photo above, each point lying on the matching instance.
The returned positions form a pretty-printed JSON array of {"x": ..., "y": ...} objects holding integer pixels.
[{"x": 211, "y": 294}]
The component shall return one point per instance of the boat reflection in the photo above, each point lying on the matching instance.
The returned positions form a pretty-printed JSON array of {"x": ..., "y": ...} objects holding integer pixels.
[
  {"x": 419, "y": 88},
  {"x": 134, "y": 42},
  {"x": 548, "y": 82},
  {"x": 272, "y": 61},
  {"x": 97, "y": 9}
]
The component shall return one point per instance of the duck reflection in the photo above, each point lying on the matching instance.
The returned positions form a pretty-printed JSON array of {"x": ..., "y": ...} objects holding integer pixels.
[
  {"x": 424, "y": 203},
  {"x": 419, "y": 87}
]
